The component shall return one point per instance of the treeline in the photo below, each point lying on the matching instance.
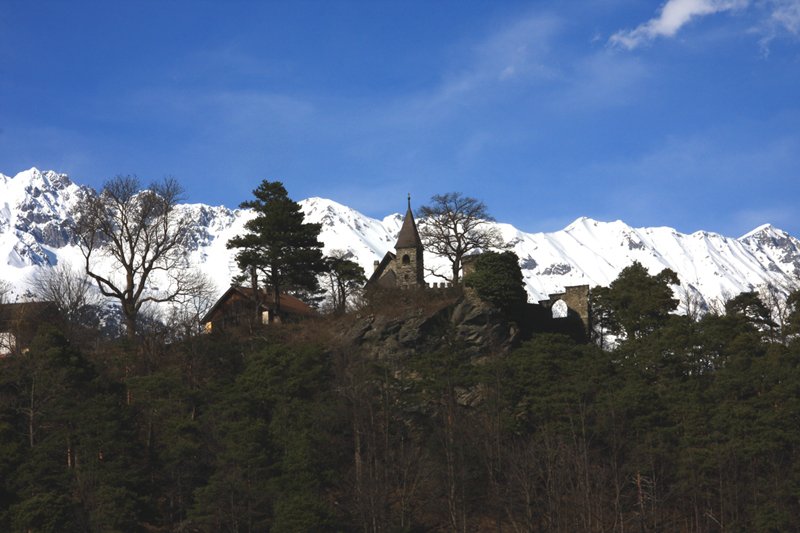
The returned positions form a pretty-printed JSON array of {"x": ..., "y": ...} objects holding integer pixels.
[{"x": 684, "y": 425}]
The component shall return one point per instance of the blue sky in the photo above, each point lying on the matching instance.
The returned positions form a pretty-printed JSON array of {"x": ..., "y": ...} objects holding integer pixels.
[{"x": 684, "y": 113}]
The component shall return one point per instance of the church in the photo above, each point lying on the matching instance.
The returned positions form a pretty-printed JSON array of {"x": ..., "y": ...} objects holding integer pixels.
[{"x": 403, "y": 269}]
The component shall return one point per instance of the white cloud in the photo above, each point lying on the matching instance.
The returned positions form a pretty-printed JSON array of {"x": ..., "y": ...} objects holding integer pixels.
[
  {"x": 786, "y": 13},
  {"x": 673, "y": 16},
  {"x": 784, "y": 17}
]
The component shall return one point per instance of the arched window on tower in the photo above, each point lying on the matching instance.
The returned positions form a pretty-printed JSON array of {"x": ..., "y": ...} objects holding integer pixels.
[{"x": 406, "y": 259}]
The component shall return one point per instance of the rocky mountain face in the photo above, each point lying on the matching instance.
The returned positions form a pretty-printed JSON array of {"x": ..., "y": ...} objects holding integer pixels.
[{"x": 35, "y": 233}]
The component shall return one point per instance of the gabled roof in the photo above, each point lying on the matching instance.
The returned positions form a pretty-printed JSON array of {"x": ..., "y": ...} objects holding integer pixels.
[
  {"x": 376, "y": 275},
  {"x": 408, "y": 236},
  {"x": 289, "y": 304}
]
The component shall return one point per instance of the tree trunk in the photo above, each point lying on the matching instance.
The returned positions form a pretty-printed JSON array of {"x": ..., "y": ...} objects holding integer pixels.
[
  {"x": 30, "y": 413},
  {"x": 129, "y": 312}
]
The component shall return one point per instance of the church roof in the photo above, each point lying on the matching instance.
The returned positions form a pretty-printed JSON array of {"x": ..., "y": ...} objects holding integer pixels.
[
  {"x": 408, "y": 236},
  {"x": 383, "y": 265}
]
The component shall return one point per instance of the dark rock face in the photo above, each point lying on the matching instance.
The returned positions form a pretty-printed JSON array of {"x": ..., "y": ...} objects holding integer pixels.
[{"x": 470, "y": 324}]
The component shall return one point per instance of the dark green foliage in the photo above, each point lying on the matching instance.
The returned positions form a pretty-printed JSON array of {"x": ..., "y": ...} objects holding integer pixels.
[
  {"x": 793, "y": 315},
  {"x": 498, "y": 279},
  {"x": 279, "y": 244},
  {"x": 78, "y": 466},
  {"x": 269, "y": 442},
  {"x": 636, "y": 303},
  {"x": 748, "y": 307},
  {"x": 682, "y": 425}
]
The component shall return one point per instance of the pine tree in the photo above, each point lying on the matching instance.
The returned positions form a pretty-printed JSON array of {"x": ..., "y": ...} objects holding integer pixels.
[
  {"x": 498, "y": 279},
  {"x": 637, "y": 302},
  {"x": 278, "y": 243}
]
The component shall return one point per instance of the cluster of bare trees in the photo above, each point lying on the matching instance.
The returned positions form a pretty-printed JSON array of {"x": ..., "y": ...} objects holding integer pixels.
[{"x": 5, "y": 288}]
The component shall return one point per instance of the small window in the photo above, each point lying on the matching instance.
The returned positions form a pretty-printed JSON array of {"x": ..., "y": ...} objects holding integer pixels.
[{"x": 406, "y": 259}]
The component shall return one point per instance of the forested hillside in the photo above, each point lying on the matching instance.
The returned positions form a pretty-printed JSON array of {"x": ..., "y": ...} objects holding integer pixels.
[{"x": 684, "y": 425}]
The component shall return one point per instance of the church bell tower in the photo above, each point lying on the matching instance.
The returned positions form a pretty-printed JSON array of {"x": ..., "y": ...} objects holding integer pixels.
[{"x": 409, "y": 266}]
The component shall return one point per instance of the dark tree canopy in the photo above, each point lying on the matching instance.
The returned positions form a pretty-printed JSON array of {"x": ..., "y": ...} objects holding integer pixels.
[
  {"x": 689, "y": 427},
  {"x": 635, "y": 303},
  {"x": 142, "y": 232},
  {"x": 749, "y": 307},
  {"x": 455, "y": 225},
  {"x": 278, "y": 243},
  {"x": 793, "y": 315},
  {"x": 498, "y": 279}
]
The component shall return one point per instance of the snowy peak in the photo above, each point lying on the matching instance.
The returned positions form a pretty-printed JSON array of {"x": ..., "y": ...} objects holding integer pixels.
[
  {"x": 778, "y": 251},
  {"x": 345, "y": 229},
  {"x": 34, "y": 215},
  {"x": 762, "y": 229}
]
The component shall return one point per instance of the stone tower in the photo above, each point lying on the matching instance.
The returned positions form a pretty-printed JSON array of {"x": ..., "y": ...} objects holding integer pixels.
[{"x": 408, "y": 266}]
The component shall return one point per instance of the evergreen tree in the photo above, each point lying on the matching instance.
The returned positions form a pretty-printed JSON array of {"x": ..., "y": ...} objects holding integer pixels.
[
  {"x": 749, "y": 307},
  {"x": 793, "y": 315},
  {"x": 278, "y": 243},
  {"x": 498, "y": 279},
  {"x": 637, "y": 303},
  {"x": 77, "y": 464}
]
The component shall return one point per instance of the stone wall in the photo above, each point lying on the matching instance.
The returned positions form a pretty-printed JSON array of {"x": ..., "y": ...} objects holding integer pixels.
[
  {"x": 577, "y": 300},
  {"x": 409, "y": 268}
]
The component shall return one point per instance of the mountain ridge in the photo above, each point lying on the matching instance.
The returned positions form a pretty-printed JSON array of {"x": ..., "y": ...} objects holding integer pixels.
[{"x": 34, "y": 233}]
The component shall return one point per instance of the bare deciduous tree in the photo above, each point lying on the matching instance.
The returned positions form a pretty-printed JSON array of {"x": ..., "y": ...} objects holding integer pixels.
[
  {"x": 455, "y": 225},
  {"x": 184, "y": 317},
  {"x": 5, "y": 289},
  {"x": 692, "y": 302},
  {"x": 140, "y": 233},
  {"x": 774, "y": 296},
  {"x": 69, "y": 289},
  {"x": 343, "y": 280}
]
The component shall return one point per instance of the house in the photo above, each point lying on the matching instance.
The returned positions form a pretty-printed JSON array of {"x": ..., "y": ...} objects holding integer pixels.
[
  {"x": 19, "y": 323},
  {"x": 404, "y": 268},
  {"x": 243, "y": 307}
]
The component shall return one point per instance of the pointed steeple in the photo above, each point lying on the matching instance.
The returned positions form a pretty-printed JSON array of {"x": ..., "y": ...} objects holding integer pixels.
[{"x": 408, "y": 236}]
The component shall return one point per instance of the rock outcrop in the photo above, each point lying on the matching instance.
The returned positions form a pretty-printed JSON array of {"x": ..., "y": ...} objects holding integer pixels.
[{"x": 467, "y": 324}]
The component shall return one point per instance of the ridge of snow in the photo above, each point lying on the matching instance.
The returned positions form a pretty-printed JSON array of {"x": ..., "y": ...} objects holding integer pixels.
[
  {"x": 763, "y": 228},
  {"x": 35, "y": 233}
]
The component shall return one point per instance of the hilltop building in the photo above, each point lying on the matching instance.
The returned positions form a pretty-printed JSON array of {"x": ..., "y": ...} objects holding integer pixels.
[
  {"x": 242, "y": 307},
  {"x": 565, "y": 312},
  {"x": 403, "y": 269}
]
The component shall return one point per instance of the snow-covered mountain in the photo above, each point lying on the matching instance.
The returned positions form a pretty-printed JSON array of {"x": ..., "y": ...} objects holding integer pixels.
[{"x": 35, "y": 219}]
